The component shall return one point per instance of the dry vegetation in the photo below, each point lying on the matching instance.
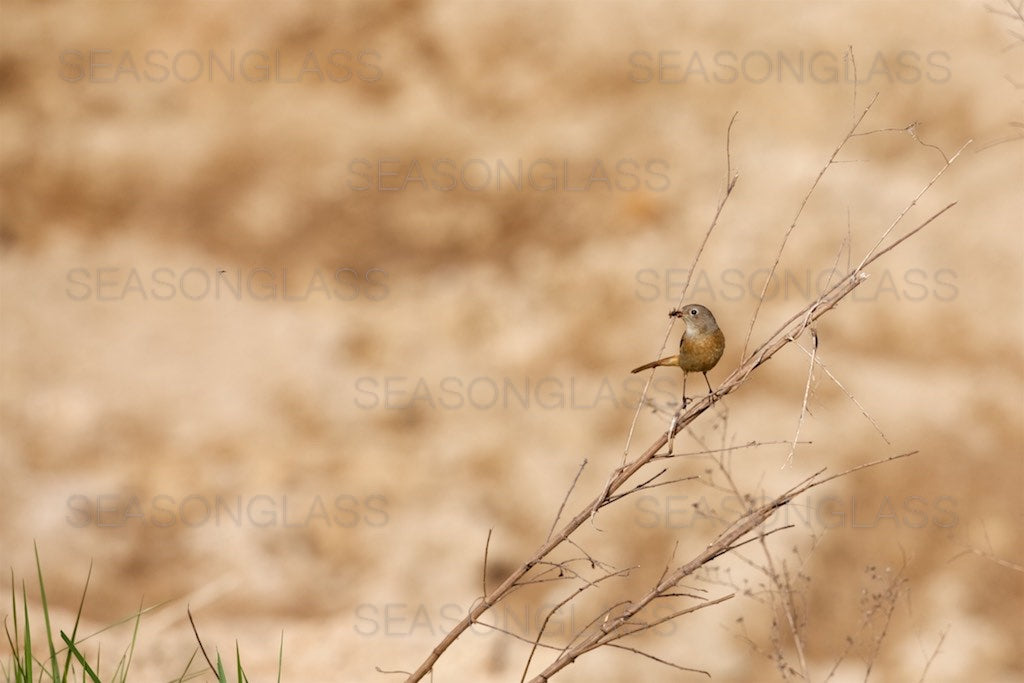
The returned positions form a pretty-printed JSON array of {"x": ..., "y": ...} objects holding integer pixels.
[{"x": 410, "y": 376}]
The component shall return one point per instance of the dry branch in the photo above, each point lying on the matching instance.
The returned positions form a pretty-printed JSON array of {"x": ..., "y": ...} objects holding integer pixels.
[{"x": 625, "y": 623}]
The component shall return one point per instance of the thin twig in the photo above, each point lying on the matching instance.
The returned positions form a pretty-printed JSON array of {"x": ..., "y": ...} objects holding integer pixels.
[
  {"x": 392, "y": 671},
  {"x": 853, "y": 62},
  {"x": 803, "y": 405},
  {"x": 487, "y": 547},
  {"x": 892, "y": 595},
  {"x": 658, "y": 659},
  {"x": 721, "y": 545},
  {"x": 782, "y": 588},
  {"x": 935, "y": 653},
  {"x": 647, "y": 486},
  {"x": 647, "y": 626},
  {"x": 796, "y": 218},
  {"x": 990, "y": 557},
  {"x": 564, "y": 501},
  {"x": 908, "y": 207},
  {"x": 708, "y": 452},
  {"x": 849, "y": 395},
  {"x": 554, "y": 610}
]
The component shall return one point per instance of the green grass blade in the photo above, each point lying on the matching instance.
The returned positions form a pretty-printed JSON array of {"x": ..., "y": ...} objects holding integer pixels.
[
  {"x": 119, "y": 673},
  {"x": 81, "y": 659},
  {"x": 15, "y": 654},
  {"x": 28, "y": 636},
  {"x": 188, "y": 666},
  {"x": 78, "y": 619},
  {"x": 135, "y": 636},
  {"x": 221, "y": 676},
  {"x": 12, "y": 639},
  {"x": 241, "y": 677},
  {"x": 46, "y": 614},
  {"x": 124, "y": 620}
]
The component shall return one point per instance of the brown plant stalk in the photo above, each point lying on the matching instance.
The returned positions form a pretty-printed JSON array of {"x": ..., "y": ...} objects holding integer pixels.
[
  {"x": 617, "y": 626},
  {"x": 786, "y": 334}
]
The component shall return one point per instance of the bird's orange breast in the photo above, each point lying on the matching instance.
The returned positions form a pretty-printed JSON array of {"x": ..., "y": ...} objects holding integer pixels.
[{"x": 700, "y": 353}]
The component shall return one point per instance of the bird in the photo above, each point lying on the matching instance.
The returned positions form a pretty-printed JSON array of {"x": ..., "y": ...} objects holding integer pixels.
[{"x": 700, "y": 347}]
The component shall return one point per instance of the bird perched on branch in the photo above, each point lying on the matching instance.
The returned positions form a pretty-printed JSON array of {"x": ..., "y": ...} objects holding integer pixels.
[{"x": 700, "y": 347}]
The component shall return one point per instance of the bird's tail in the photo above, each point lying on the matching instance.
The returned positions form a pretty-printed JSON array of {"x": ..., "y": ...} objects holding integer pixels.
[{"x": 670, "y": 360}]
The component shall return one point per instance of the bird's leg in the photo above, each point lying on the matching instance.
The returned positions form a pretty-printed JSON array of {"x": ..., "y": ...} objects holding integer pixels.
[
  {"x": 710, "y": 390},
  {"x": 675, "y": 419}
]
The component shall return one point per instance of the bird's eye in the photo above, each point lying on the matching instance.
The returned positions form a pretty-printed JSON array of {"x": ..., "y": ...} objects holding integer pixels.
[{"x": 693, "y": 311}]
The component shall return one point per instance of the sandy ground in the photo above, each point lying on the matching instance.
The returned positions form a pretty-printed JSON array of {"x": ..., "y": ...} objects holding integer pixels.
[{"x": 299, "y": 301}]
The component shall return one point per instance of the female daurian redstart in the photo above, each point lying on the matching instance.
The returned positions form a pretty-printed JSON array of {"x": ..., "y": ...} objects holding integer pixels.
[{"x": 700, "y": 347}]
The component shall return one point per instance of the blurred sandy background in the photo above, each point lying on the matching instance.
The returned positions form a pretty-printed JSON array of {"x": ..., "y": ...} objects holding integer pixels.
[{"x": 270, "y": 269}]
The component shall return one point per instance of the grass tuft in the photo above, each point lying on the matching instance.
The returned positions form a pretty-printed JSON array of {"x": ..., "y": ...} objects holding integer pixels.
[{"x": 25, "y": 665}]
